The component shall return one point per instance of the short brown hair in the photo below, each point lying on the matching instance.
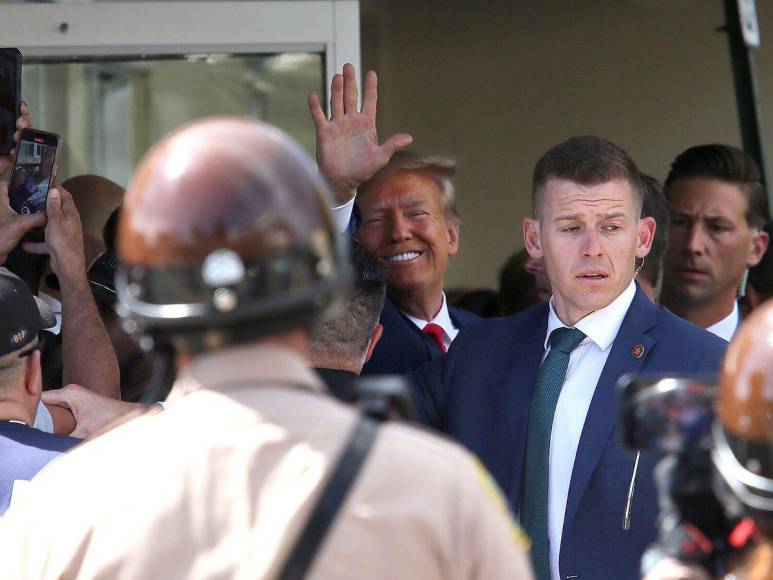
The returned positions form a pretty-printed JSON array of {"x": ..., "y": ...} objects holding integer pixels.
[
  {"x": 724, "y": 163},
  {"x": 440, "y": 169},
  {"x": 585, "y": 160}
]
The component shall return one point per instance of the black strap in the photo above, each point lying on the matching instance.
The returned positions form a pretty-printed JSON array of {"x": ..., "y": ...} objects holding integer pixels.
[{"x": 333, "y": 496}]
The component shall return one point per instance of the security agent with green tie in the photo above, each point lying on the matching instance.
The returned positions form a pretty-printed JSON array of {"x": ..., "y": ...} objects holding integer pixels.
[{"x": 573, "y": 492}]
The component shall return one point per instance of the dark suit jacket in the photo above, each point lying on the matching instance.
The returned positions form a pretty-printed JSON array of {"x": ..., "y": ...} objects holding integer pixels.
[
  {"x": 480, "y": 394},
  {"x": 339, "y": 383},
  {"x": 403, "y": 346},
  {"x": 24, "y": 452}
]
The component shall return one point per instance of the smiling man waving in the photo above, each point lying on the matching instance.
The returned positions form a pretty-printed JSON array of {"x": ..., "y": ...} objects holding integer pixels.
[{"x": 408, "y": 219}]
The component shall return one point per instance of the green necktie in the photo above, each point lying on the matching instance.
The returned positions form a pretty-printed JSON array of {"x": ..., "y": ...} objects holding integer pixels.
[{"x": 534, "y": 491}]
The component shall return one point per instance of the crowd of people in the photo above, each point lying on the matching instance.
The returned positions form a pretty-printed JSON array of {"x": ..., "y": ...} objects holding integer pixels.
[{"x": 249, "y": 368}]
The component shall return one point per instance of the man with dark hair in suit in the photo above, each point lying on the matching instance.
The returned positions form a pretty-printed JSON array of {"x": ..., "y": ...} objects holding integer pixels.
[
  {"x": 24, "y": 450},
  {"x": 718, "y": 209},
  {"x": 408, "y": 219},
  {"x": 534, "y": 395},
  {"x": 522, "y": 280}
]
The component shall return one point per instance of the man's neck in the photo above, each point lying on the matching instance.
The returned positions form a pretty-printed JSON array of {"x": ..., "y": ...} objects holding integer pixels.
[
  {"x": 422, "y": 305},
  {"x": 15, "y": 411},
  {"x": 336, "y": 361},
  {"x": 702, "y": 314}
]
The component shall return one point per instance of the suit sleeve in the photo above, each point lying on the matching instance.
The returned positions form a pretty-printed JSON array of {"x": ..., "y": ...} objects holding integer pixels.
[
  {"x": 431, "y": 381},
  {"x": 425, "y": 384},
  {"x": 711, "y": 361}
]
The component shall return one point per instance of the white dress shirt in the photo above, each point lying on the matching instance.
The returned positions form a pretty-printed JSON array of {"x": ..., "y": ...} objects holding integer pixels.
[
  {"x": 585, "y": 365},
  {"x": 726, "y": 327},
  {"x": 442, "y": 319},
  {"x": 342, "y": 214}
]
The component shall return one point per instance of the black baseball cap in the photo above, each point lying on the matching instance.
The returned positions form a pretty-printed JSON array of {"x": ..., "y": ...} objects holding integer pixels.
[{"x": 22, "y": 315}]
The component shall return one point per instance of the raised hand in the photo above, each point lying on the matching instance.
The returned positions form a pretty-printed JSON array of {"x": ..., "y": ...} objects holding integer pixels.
[
  {"x": 23, "y": 122},
  {"x": 64, "y": 237},
  {"x": 348, "y": 149}
]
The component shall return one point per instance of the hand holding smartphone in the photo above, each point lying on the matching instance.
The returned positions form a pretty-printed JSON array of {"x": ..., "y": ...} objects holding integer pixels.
[{"x": 34, "y": 171}]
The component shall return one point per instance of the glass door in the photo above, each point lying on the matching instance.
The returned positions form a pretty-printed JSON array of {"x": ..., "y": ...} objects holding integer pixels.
[{"x": 112, "y": 78}]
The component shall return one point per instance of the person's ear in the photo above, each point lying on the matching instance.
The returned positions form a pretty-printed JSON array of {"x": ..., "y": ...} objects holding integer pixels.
[
  {"x": 760, "y": 241},
  {"x": 453, "y": 239},
  {"x": 378, "y": 330},
  {"x": 646, "y": 235},
  {"x": 33, "y": 375},
  {"x": 532, "y": 237}
]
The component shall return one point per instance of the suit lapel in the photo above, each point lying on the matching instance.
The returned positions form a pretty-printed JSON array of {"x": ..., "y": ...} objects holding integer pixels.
[
  {"x": 461, "y": 318},
  {"x": 602, "y": 415},
  {"x": 432, "y": 350}
]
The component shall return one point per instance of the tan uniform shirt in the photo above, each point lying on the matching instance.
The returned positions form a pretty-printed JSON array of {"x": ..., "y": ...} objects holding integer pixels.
[{"x": 221, "y": 483}]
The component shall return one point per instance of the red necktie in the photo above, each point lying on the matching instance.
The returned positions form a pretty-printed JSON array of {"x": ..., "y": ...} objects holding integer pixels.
[{"x": 435, "y": 332}]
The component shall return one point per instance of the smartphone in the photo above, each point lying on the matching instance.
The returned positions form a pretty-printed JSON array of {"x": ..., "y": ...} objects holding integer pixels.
[
  {"x": 10, "y": 96},
  {"x": 34, "y": 171}
]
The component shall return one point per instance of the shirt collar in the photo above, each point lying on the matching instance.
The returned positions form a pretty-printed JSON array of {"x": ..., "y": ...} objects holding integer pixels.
[
  {"x": 600, "y": 326},
  {"x": 442, "y": 319},
  {"x": 726, "y": 327},
  {"x": 251, "y": 365}
]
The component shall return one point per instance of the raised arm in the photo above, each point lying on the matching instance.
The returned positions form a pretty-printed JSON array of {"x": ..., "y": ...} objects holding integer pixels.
[
  {"x": 348, "y": 149},
  {"x": 88, "y": 355}
]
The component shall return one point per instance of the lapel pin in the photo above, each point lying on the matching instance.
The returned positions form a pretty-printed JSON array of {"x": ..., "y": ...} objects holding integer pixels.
[{"x": 638, "y": 351}]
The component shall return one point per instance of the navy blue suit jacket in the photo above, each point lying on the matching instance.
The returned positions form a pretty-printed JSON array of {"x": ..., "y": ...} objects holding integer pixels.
[
  {"x": 23, "y": 452},
  {"x": 403, "y": 346},
  {"x": 480, "y": 394}
]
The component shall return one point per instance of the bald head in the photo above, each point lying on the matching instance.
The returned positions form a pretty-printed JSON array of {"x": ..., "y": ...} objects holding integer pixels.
[{"x": 96, "y": 198}]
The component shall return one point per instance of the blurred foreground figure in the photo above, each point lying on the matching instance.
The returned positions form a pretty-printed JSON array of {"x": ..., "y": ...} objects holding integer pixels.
[
  {"x": 743, "y": 436},
  {"x": 742, "y": 452},
  {"x": 231, "y": 260}
]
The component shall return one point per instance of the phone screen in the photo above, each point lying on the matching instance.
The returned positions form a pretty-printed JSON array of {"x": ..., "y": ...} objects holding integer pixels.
[
  {"x": 33, "y": 171},
  {"x": 10, "y": 96}
]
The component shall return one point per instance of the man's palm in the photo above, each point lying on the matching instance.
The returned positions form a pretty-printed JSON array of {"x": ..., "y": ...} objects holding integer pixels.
[{"x": 348, "y": 150}]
